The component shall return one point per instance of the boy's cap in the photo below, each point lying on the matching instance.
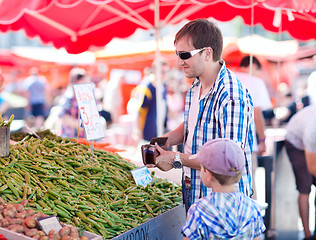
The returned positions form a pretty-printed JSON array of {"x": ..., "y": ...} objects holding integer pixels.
[{"x": 222, "y": 156}]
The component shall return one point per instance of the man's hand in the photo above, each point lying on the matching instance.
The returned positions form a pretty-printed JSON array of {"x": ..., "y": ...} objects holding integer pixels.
[
  {"x": 164, "y": 159},
  {"x": 261, "y": 148}
]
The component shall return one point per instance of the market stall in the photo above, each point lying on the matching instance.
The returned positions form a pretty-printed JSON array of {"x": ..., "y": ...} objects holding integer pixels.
[{"x": 89, "y": 187}]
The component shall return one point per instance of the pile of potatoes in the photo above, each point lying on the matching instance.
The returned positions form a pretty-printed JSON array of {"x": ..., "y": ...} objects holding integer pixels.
[{"x": 17, "y": 218}]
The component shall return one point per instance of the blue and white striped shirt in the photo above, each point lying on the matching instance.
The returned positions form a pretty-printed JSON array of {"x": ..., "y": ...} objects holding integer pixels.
[
  {"x": 225, "y": 112},
  {"x": 224, "y": 216}
]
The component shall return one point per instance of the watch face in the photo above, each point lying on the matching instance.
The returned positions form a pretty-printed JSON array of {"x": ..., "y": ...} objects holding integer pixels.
[{"x": 177, "y": 164}]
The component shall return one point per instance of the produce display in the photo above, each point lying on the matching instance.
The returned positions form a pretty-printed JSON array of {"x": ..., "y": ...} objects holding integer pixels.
[
  {"x": 90, "y": 189},
  {"x": 16, "y": 218}
]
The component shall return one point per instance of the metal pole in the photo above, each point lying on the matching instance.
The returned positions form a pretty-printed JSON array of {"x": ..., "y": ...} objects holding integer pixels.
[{"x": 158, "y": 73}]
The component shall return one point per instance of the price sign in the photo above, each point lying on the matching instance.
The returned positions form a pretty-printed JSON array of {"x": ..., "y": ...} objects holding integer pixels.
[
  {"x": 88, "y": 111},
  {"x": 142, "y": 176},
  {"x": 49, "y": 223}
]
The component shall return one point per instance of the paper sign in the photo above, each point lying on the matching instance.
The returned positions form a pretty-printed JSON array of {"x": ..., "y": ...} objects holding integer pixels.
[
  {"x": 49, "y": 223},
  {"x": 141, "y": 176},
  {"x": 88, "y": 111}
]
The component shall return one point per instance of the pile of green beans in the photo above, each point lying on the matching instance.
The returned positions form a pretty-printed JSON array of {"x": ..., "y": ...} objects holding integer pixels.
[{"x": 87, "y": 188}]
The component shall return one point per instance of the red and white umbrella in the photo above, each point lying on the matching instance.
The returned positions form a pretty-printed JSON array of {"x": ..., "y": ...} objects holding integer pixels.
[{"x": 79, "y": 25}]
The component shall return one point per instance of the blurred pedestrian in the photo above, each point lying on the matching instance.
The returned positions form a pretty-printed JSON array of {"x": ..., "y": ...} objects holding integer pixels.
[
  {"x": 261, "y": 101},
  {"x": 223, "y": 213},
  {"x": 36, "y": 91},
  {"x": 69, "y": 112},
  {"x": 113, "y": 98},
  {"x": 217, "y": 106},
  {"x": 300, "y": 143},
  {"x": 145, "y": 94}
]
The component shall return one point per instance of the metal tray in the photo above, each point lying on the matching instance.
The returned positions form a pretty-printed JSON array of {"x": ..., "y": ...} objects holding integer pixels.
[{"x": 165, "y": 226}]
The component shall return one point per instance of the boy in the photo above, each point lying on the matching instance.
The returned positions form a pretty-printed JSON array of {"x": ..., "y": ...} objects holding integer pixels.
[{"x": 224, "y": 213}]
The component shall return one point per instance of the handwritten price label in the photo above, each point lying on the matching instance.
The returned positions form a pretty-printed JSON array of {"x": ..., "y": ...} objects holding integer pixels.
[{"x": 88, "y": 111}]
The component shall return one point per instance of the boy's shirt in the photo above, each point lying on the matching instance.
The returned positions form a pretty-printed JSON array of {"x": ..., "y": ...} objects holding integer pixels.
[{"x": 224, "y": 216}]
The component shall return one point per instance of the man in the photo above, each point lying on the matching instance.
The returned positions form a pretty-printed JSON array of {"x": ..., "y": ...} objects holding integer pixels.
[
  {"x": 216, "y": 106},
  {"x": 261, "y": 101}
]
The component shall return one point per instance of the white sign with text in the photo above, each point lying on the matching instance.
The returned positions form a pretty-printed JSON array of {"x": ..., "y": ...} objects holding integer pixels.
[
  {"x": 88, "y": 111},
  {"x": 142, "y": 176}
]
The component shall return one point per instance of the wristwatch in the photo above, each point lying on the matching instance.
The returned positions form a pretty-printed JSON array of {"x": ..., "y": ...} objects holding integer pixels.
[{"x": 177, "y": 161}]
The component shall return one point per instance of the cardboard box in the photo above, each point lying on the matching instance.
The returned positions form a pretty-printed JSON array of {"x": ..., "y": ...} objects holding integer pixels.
[{"x": 18, "y": 236}]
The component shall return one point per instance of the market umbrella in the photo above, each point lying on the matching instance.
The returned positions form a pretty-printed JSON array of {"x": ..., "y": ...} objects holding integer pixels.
[{"x": 78, "y": 25}]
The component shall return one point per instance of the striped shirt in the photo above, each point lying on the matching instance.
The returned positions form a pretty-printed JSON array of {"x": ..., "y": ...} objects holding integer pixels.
[
  {"x": 224, "y": 216},
  {"x": 225, "y": 112}
]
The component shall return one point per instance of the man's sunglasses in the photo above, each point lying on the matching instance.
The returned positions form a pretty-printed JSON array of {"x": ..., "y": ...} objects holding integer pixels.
[{"x": 187, "y": 55}]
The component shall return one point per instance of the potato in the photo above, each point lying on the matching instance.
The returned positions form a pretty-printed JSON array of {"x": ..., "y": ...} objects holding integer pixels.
[
  {"x": 18, "y": 207},
  {"x": 30, "y": 222},
  {"x": 37, "y": 237},
  {"x": 74, "y": 236},
  {"x": 44, "y": 238},
  {"x": 65, "y": 237},
  {"x": 74, "y": 232},
  {"x": 12, "y": 221},
  {"x": 9, "y": 211},
  {"x": 21, "y": 214},
  {"x": 16, "y": 228},
  {"x": 41, "y": 233},
  {"x": 53, "y": 235},
  {"x": 30, "y": 212},
  {"x": 4, "y": 223},
  {"x": 30, "y": 232},
  {"x": 2, "y": 202},
  {"x": 64, "y": 231},
  {"x": 39, "y": 215}
]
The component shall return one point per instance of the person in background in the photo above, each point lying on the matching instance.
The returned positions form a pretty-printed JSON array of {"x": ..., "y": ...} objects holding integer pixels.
[
  {"x": 145, "y": 95},
  {"x": 69, "y": 112},
  {"x": 216, "y": 106},
  {"x": 261, "y": 101},
  {"x": 310, "y": 149},
  {"x": 223, "y": 213},
  {"x": 300, "y": 143},
  {"x": 290, "y": 105},
  {"x": 36, "y": 88},
  {"x": 113, "y": 99}
]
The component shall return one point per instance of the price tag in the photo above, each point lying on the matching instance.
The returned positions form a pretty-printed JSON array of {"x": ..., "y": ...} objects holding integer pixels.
[
  {"x": 141, "y": 176},
  {"x": 88, "y": 111},
  {"x": 49, "y": 223}
]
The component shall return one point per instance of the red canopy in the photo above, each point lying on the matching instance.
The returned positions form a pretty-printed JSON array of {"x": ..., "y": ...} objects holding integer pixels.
[{"x": 78, "y": 25}]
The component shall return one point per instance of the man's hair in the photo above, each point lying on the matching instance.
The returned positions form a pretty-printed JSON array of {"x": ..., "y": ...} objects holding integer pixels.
[
  {"x": 245, "y": 62},
  {"x": 203, "y": 33},
  {"x": 226, "y": 180}
]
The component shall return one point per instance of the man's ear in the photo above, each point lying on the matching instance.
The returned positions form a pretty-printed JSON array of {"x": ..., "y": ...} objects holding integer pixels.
[{"x": 208, "y": 53}]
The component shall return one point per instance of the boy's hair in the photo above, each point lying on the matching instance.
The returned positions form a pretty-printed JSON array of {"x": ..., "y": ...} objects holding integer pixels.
[
  {"x": 226, "y": 180},
  {"x": 203, "y": 33}
]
